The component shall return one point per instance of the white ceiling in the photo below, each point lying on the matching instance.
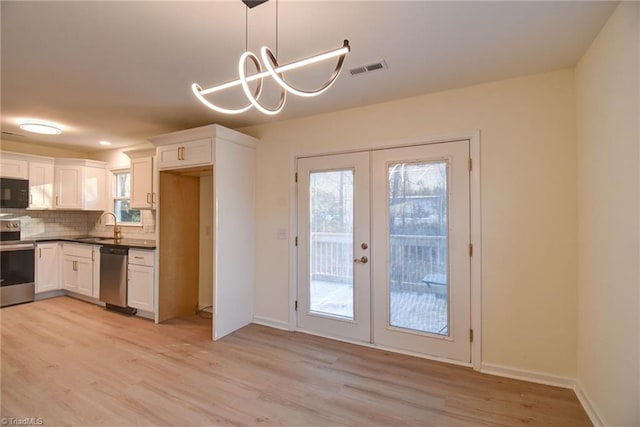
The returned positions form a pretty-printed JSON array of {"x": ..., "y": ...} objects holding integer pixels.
[{"x": 122, "y": 71}]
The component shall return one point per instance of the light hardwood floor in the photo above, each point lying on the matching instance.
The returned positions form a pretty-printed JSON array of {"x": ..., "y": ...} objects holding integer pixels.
[{"x": 72, "y": 363}]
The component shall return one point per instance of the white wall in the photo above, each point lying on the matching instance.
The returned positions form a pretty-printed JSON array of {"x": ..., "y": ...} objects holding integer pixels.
[
  {"x": 529, "y": 205},
  {"x": 608, "y": 112}
]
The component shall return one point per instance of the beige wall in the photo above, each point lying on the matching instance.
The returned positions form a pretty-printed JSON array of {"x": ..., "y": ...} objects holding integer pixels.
[
  {"x": 608, "y": 138},
  {"x": 40, "y": 150},
  {"x": 529, "y": 207},
  {"x": 116, "y": 158}
]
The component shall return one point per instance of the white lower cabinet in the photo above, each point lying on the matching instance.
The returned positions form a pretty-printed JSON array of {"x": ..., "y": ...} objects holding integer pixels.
[
  {"x": 78, "y": 268},
  {"x": 47, "y": 267},
  {"x": 140, "y": 280}
]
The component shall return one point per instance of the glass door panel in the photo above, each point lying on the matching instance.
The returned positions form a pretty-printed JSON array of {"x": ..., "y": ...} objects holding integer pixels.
[
  {"x": 331, "y": 237},
  {"x": 418, "y": 246}
]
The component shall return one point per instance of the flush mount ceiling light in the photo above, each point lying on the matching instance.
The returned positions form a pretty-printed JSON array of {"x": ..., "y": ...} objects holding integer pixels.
[
  {"x": 271, "y": 69},
  {"x": 105, "y": 143},
  {"x": 39, "y": 126}
]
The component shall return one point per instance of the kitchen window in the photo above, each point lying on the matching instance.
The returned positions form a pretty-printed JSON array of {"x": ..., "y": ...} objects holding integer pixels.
[{"x": 122, "y": 200}]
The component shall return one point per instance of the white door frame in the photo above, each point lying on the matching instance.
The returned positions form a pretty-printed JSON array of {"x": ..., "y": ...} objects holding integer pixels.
[{"x": 475, "y": 226}]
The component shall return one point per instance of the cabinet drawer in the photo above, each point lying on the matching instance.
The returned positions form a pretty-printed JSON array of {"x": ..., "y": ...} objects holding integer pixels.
[
  {"x": 138, "y": 257},
  {"x": 78, "y": 249}
]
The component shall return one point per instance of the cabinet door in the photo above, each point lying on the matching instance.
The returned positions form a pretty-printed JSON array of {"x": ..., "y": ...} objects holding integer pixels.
[
  {"x": 197, "y": 152},
  {"x": 140, "y": 287},
  {"x": 142, "y": 196},
  {"x": 84, "y": 268},
  {"x": 187, "y": 154},
  {"x": 13, "y": 168},
  {"x": 69, "y": 273},
  {"x": 40, "y": 185},
  {"x": 169, "y": 156},
  {"x": 68, "y": 187},
  {"x": 47, "y": 267},
  {"x": 93, "y": 189}
]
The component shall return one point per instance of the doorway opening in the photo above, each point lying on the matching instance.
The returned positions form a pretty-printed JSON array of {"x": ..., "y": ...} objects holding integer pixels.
[{"x": 186, "y": 243}]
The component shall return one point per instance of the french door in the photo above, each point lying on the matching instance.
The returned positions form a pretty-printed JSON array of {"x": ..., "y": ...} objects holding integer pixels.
[
  {"x": 383, "y": 250},
  {"x": 334, "y": 290}
]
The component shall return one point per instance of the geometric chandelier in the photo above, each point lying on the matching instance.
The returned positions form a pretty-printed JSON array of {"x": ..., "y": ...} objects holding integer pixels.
[{"x": 274, "y": 70}]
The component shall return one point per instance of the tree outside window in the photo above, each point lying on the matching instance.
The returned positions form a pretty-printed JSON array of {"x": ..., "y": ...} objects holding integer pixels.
[{"x": 121, "y": 200}]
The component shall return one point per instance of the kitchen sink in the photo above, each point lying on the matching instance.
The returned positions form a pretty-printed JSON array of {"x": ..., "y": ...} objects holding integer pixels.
[
  {"x": 143, "y": 243},
  {"x": 92, "y": 239}
]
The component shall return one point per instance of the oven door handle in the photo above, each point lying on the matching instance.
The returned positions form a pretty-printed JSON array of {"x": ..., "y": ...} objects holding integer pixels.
[{"x": 18, "y": 247}]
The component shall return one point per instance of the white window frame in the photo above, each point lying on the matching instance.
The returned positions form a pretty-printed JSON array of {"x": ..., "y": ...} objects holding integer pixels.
[{"x": 114, "y": 186}]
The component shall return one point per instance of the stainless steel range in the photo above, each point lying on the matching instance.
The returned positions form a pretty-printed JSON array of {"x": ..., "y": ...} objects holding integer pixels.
[{"x": 17, "y": 265}]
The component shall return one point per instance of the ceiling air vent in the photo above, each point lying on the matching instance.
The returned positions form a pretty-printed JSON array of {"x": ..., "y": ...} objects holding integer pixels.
[
  {"x": 357, "y": 70},
  {"x": 380, "y": 65}
]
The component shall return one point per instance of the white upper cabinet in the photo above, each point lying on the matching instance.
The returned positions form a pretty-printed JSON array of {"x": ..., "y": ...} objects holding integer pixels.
[
  {"x": 80, "y": 184},
  {"x": 41, "y": 184},
  {"x": 56, "y": 183},
  {"x": 143, "y": 195},
  {"x": 13, "y": 165},
  {"x": 186, "y": 154},
  {"x": 68, "y": 187}
]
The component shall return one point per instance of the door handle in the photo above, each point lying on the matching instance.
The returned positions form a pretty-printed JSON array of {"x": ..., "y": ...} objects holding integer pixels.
[
  {"x": 362, "y": 260},
  {"x": 148, "y": 198}
]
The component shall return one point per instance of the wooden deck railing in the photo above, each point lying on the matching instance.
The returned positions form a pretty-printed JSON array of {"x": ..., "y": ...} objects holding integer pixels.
[{"x": 411, "y": 257}]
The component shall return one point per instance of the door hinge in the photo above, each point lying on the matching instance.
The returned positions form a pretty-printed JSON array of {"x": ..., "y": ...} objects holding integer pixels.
[
  {"x": 296, "y": 305},
  {"x": 471, "y": 335},
  {"x": 470, "y": 249},
  {"x": 296, "y": 240},
  {"x": 470, "y": 165},
  {"x": 296, "y": 177}
]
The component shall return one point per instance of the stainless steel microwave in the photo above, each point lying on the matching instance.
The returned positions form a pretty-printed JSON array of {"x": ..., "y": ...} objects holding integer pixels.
[{"x": 14, "y": 193}]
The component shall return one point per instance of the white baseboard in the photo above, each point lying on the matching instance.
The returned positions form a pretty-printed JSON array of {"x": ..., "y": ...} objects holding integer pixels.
[
  {"x": 553, "y": 380},
  {"x": 588, "y": 406},
  {"x": 526, "y": 375},
  {"x": 273, "y": 323}
]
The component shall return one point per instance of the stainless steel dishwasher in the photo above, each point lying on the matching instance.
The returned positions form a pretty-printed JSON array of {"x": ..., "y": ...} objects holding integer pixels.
[{"x": 113, "y": 278}]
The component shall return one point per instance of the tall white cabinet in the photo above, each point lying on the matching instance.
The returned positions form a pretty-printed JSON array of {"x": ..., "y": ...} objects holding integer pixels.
[{"x": 228, "y": 156}]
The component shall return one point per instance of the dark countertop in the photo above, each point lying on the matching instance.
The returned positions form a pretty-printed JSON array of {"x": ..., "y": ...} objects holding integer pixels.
[{"x": 103, "y": 241}]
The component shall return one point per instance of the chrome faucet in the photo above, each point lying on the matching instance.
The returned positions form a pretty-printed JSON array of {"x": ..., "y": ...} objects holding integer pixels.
[{"x": 117, "y": 232}]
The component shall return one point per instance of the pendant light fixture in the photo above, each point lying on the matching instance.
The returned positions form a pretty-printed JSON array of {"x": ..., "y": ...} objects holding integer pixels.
[{"x": 271, "y": 69}]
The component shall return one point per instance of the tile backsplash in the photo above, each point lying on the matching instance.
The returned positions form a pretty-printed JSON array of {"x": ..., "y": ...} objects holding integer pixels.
[{"x": 51, "y": 224}]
